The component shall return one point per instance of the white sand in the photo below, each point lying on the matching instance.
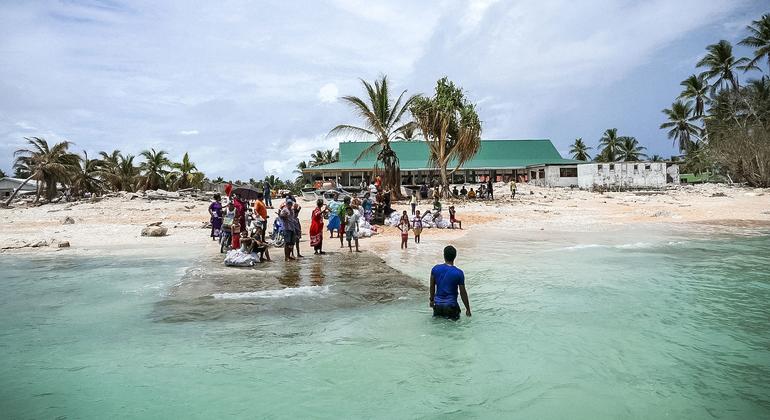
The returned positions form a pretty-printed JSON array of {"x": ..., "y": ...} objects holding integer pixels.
[{"x": 113, "y": 225}]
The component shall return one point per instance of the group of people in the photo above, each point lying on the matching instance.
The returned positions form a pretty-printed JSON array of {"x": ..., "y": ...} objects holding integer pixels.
[{"x": 236, "y": 226}]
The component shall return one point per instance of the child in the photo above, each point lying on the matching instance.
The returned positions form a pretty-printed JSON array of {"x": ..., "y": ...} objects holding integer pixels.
[
  {"x": 413, "y": 201},
  {"x": 403, "y": 226},
  {"x": 351, "y": 228},
  {"x": 453, "y": 219},
  {"x": 235, "y": 229},
  {"x": 417, "y": 226}
]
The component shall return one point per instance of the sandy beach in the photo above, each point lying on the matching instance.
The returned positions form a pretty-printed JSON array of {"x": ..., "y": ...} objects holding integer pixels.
[{"x": 113, "y": 225}]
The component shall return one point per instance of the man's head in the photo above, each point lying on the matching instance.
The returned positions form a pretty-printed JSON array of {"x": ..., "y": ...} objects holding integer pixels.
[
  {"x": 418, "y": 213},
  {"x": 450, "y": 253},
  {"x": 230, "y": 205},
  {"x": 347, "y": 199},
  {"x": 217, "y": 197},
  {"x": 349, "y": 211},
  {"x": 319, "y": 203},
  {"x": 260, "y": 196}
]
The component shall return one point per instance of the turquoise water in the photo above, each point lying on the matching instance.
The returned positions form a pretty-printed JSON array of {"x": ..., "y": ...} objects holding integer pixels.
[{"x": 568, "y": 327}]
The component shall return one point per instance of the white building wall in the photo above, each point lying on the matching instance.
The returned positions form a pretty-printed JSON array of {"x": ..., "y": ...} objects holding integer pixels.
[{"x": 626, "y": 175}]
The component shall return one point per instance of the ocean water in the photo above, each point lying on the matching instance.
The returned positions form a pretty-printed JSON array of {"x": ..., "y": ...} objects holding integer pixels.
[{"x": 573, "y": 326}]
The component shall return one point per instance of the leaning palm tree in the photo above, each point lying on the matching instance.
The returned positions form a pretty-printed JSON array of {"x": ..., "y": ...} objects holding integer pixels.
[
  {"x": 451, "y": 127},
  {"x": 682, "y": 130},
  {"x": 318, "y": 158},
  {"x": 184, "y": 172},
  {"x": 609, "y": 144},
  {"x": 579, "y": 150},
  {"x": 154, "y": 168},
  {"x": 382, "y": 123},
  {"x": 759, "y": 39},
  {"x": 696, "y": 88},
  {"x": 86, "y": 176},
  {"x": 629, "y": 149},
  {"x": 409, "y": 132},
  {"x": 48, "y": 165},
  {"x": 721, "y": 64}
]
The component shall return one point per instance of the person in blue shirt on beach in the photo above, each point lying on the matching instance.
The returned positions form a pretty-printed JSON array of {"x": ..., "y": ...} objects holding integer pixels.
[{"x": 446, "y": 281}]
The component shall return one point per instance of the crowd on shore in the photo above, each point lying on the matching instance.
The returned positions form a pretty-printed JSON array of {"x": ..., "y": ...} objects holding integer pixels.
[{"x": 240, "y": 222}]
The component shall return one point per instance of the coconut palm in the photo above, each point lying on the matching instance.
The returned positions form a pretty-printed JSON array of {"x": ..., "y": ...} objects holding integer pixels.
[
  {"x": 153, "y": 168},
  {"x": 451, "y": 127},
  {"x": 48, "y": 165},
  {"x": 696, "y": 88},
  {"x": 682, "y": 130},
  {"x": 108, "y": 166},
  {"x": 86, "y": 176},
  {"x": 609, "y": 144},
  {"x": 759, "y": 39},
  {"x": 127, "y": 174},
  {"x": 318, "y": 158},
  {"x": 579, "y": 150},
  {"x": 656, "y": 158},
  {"x": 721, "y": 64},
  {"x": 629, "y": 149},
  {"x": 382, "y": 123},
  {"x": 184, "y": 173},
  {"x": 409, "y": 133}
]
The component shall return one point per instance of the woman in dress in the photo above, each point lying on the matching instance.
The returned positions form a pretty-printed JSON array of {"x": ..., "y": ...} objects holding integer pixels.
[
  {"x": 367, "y": 205},
  {"x": 317, "y": 227},
  {"x": 215, "y": 210}
]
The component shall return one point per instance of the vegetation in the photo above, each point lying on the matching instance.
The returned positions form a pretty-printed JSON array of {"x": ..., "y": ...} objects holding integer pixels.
[
  {"x": 629, "y": 150},
  {"x": 579, "y": 150},
  {"x": 56, "y": 169},
  {"x": 732, "y": 137},
  {"x": 323, "y": 157},
  {"x": 451, "y": 127},
  {"x": 381, "y": 122}
]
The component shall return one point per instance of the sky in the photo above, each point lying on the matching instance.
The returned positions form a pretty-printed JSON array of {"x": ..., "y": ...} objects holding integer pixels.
[{"x": 251, "y": 88}]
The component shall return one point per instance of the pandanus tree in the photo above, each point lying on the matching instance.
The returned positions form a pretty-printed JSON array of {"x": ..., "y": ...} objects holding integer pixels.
[
  {"x": 451, "y": 127},
  {"x": 382, "y": 122},
  {"x": 680, "y": 124},
  {"x": 48, "y": 165},
  {"x": 721, "y": 65},
  {"x": 696, "y": 88},
  {"x": 579, "y": 150},
  {"x": 153, "y": 169},
  {"x": 759, "y": 39}
]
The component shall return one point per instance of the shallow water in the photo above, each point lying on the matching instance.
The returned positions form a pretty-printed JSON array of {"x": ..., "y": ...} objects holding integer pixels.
[{"x": 570, "y": 326}]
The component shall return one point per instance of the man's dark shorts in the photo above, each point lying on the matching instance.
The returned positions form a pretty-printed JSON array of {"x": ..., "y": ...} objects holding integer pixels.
[
  {"x": 447, "y": 311},
  {"x": 289, "y": 237}
]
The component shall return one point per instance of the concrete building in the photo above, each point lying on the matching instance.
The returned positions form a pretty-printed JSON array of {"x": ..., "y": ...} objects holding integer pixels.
[
  {"x": 500, "y": 160},
  {"x": 627, "y": 175},
  {"x": 8, "y": 185},
  {"x": 554, "y": 175}
]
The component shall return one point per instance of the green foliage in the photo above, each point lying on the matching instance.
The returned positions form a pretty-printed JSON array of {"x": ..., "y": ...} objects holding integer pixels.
[
  {"x": 629, "y": 149},
  {"x": 721, "y": 65},
  {"x": 759, "y": 39},
  {"x": 609, "y": 144},
  {"x": 579, "y": 150},
  {"x": 450, "y": 125},
  {"x": 49, "y": 165},
  {"x": 680, "y": 124},
  {"x": 153, "y": 168}
]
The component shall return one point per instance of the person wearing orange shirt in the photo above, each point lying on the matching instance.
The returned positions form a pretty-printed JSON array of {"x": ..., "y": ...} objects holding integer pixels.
[{"x": 261, "y": 209}]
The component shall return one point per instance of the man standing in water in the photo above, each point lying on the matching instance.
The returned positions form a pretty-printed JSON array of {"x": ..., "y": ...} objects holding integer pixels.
[{"x": 445, "y": 282}]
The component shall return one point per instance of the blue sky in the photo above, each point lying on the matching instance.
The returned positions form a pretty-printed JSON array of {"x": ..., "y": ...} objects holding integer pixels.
[{"x": 250, "y": 88}]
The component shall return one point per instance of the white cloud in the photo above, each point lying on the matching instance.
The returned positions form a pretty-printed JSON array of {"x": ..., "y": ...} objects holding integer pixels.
[
  {"x": 24, "y": 125},
  {"x": 328, "y": 93},
  {"x": 189, "y": 132}
]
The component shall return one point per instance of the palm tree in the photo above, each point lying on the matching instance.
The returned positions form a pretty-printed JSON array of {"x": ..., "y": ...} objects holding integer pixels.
[
  {"x": 382, "y": 122},
  {"x": 721, "y": 64},
  {"x": 451, "y": 127},
  {"x": 318, "y": 158},
  {"x": 409, "y": 132},
  {"x": 696, "y": 88},
  {"x": 579, "y": 150},
  {"x": 656, "y": 158},
  {"x": 153, "y": 168},
  {"x": 85, "y": 177},
  {"x": 2, "y": 174},
  {"x": 682, "y": 130},
  {"x": 759, "y": 39},
  {"x": 609, "y": 144},
  {"x": 49, "y": 166},
  {"x": 127, "y": 174},
  {"x": 629, "y": 149},
  {"x": 108, "y": 167},
  {"x": 184, "y": 173},
  {"x": 218, "y": 180}
]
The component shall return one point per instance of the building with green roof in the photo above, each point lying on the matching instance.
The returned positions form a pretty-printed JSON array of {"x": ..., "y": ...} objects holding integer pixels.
[{"x": 502, "y": 160}]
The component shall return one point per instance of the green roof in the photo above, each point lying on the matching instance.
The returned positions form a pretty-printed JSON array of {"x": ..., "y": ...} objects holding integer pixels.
[{"x": 493, "y": 154}]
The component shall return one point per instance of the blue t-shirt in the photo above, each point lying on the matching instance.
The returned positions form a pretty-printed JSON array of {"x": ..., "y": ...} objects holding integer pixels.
[{"x": 448, "y": 278}]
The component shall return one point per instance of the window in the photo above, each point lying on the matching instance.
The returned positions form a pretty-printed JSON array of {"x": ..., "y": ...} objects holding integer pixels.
[
  {"x": 612, "y": 166},
  {"x": 647, "y": 167},
  {"x": 601, "y": 167},
  {"x": 541, "y": 174},
  {"x": 636, "y": 168},
  {"x": 568, "y": 172}
]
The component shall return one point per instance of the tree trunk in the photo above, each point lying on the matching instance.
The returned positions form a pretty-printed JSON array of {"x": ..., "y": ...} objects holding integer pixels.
[
  {"x": 444, "y": 182},
  {"x": 16, "y": 191}
]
